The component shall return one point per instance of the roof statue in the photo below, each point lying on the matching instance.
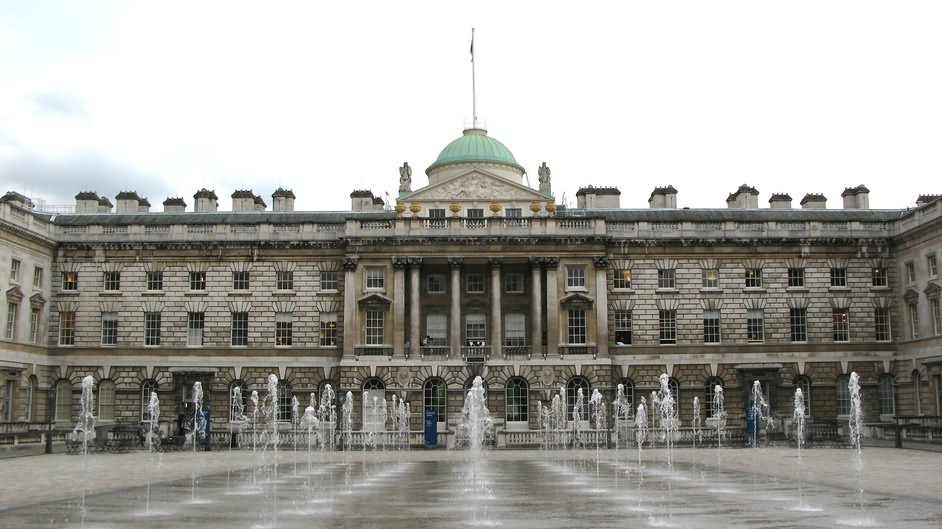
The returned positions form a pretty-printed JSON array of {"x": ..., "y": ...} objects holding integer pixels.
[
  {"x": 544, "y": 173},
  {"x": 405, "y": 178}
]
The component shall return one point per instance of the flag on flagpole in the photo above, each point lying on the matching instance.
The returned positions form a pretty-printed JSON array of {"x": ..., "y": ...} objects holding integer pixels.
[{"x": 472, "y": 44}]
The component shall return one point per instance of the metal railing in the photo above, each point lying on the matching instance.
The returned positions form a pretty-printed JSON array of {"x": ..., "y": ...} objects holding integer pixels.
[{"x": 372, "y": 350}]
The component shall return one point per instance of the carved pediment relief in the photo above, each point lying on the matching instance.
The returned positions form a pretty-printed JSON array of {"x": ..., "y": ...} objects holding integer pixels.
[
  {"x": 932, "y": 290},
  {"x": 911, "y": 296},
  {"x": 374, "y": 302},
  {"x": 476, "y": 185},
  {"x": 37, "y": 301},
  {"x": 576, "y": 300},
  {"x": 14, "y": 295}
]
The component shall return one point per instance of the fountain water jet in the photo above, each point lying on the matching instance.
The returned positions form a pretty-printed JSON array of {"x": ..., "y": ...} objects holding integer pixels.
[
  {"x": 641, "y": 426},
  {"x": 84, "y": 430},
  {"x": 799, "y": 418},
  {"x": 152, "y": 437},
  {"x": 760, "y": 412},
  {"x": 697, "y": 432},
  {"x": 718, "y": 415},
  {"x": 667, "y": 414},
  {"x": 477, "y": 426},
  {"x": 621, "y": 409},
  {"x": 199, "y": 421}
]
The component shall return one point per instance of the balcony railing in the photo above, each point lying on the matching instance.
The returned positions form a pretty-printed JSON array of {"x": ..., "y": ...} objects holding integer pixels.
[
  {"x": 566, "y": 350},
  {"x": 517, "y": 351},
  {"x": 434, "y": 351},
  {"x": 372, "y": 350},
  {"x": 475, "y": 353}
]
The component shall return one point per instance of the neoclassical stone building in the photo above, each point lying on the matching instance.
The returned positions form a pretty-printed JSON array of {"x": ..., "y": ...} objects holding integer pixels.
[{"x": 475, "y": 273}]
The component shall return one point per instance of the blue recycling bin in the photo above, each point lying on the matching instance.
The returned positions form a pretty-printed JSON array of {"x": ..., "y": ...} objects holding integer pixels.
[{"x": 431, "y": 428}]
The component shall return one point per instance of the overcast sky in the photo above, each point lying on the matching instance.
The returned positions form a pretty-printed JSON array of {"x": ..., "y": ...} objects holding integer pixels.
[{"x": 324, "y": 97}]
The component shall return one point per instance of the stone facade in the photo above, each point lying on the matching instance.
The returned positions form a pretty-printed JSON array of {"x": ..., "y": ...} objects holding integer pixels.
[{"x": 540, "y": 296}]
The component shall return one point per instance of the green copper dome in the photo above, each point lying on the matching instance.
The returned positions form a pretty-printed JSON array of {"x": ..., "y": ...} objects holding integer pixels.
[{"x": 475, "y": 146}]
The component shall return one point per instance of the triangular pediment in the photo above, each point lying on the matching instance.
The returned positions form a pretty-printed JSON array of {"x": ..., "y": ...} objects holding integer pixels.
[
  {"x": 576, "y": 299},
  {"x": 932, "y": 290},
  {"x": 911, "y": 295},
  {"x": 475, "y": 185},
  {"x": 37, "y": 300},
  {"x": 14, "y": 295},
  {"x": 374, "y": 302}
]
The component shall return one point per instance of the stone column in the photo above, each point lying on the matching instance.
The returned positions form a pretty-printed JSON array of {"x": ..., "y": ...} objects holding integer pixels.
[
  {"x": 350, "y": 311},
  {"x": 415, "y": 265},
  {"x": 601, "y": 304},
  {"x": 496, "y": 327},
  {"x": 399, "y": 304},
  {"x": 536, "y": 305},
  {"x": 552, "y": 306},
  {"x": 454, "y": 325}
]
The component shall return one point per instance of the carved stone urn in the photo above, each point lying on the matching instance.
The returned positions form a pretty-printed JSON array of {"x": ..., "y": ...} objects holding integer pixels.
[
  {"x": 455, "y": 208},
  {"x": 535, "y": 207},
  {"x": 550, "y": 207},
  {"x": 415, "y": 208},
  {"x": 495, "y": 207},
  {"x": 400, "y": 207}
]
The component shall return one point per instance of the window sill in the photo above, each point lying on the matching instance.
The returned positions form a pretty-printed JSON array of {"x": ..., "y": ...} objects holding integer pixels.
[
  {"x": 68, "y": 292},
  {"x": 838, "y": 289},
  {"x": 666, "y": 291},
  {"x": 623, "y": 290},
  {"x": 755, "y": 342},
  {"x": 796, "y": 289},
  {"x": 283, "y": 293},
  {"x": 754, "y": 290},
  {"x": 106, "y": 293},
  {"x": 576, "y": 289},
  {"x": 153, "y": 293},
  {"x": 879, "y": 288},
  {"x": 197, "y": 293},
  {"x": 330, "y": 291},
  {"x": 711, "y": 290},
  {"x": 241, "y": 293}
]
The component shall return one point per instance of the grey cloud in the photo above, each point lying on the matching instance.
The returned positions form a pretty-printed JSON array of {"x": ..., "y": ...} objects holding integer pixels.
[
  {"x": 61, "y": 104},
  {"x": 57, "y": 181}
]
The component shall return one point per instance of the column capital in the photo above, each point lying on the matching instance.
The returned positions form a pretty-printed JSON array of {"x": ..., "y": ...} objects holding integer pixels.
[
  {"x": 399, "y": 262},
  {"x": 535, "y": 262},
  {"x": 550, "y": 262},
  {"x": 350, "y": 263},
  {"x": 456, "y": 262},
  {"x": 601, "y": 261},
  {"x": 414, "y": 262},
  {"x": 495, "y": 262}
]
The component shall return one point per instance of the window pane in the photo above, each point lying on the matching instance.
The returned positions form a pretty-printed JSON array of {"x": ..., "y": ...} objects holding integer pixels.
[
  {"x": 240, "y": 328},
  {"x": 109, "y": 328},
  {"x": 517, "y": 400},
  {"x": 577, "y": 331},
  {"x": 622, "y": 327},
  {"x": 328, "y": 335},
  {"x": 667, "y": 320}
]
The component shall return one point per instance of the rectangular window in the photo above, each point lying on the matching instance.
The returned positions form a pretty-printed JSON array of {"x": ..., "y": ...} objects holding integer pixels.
[
  {"x": 476, "y": 218},
  {"x": 15, "y": 271},
  {"x": 155, "y": 280},
  {"x": 796, "y": 277},
  {"x": 284, "y": 280},
  {"x": 936, "y": 316},
  {"x": 109, "y": 328},
  {"x": 881, "y": 324},
  {"x": 375, "y": 278},
  {"x": 34, "y": 321},
  {"x": 665, "y": 278},
  {"x": 798, "y": 319},
  {"x": 328, "y": 337},
  {"x": 513, "y": 213},
  {"x": 283, "y": 328},
  {"x": 878, "y": 277},
  {"x": 910, "y": 272},
  {"x": 577, "y": 326},
  {"x": 37, "y": 277},
  {"x": 513, "y": 283},
  {"x": 515, "y": 330},
  {"x": 197, "y": 280},
  {"x": 474, "y": 283},
  {"x": 838, "y": 277},
  {"x": 240, "y": 328},
  {"x": 195, "y": 321},
  {"x": 67, "y": 328},
  {"x": 840, "y": 325},
  {"x": 436, "y": 330},
  {"x": 328, "y": 279},
  {"x": 667, "y": 323},
  {"x": 710, "y": 278},
  {"x": 240, "y": 280},
  {"x": 622, "y": 327},
  {"x": 914, "y": 320},
  {"x": 11, "y": 320},
  {"x": 475, "y": 329},
  {"x": 112, "y": 280},
  {"x": 69, "y": 280},
  {"x": 931, "y": 265},
  {"x": 436, "y": 218},
  {"x": 622, "y": 279},
  {"x": 435, "y": 284},
  {"x": 753, "y": 278},
  {"x": 575, "y": 277},
  {"x": 755, "y": 325},
  {"x": 375, "y": 327},
  {"x": 151, "y": 328},
  {"x": 711, "y": 326}
]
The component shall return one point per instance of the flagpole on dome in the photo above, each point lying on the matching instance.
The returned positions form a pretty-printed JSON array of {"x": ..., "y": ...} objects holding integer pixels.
[{"x": 474, "y": 100}]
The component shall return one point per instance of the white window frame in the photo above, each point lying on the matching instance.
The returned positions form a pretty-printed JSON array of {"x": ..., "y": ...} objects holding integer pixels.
[
  {"x": 881, "y": 324},
  {"x": 15, "y": 265},
  {"x": 840, "y": 325},
  {"x": 515, "y": 329},
  {"x": 667, "y": 326},
  {"x": 67, "y": 327},
  {"x": 238, "y": 329},
  {"x": 154, "y": 280},
  {"x": 753, "y": 278},
  {"x": 474, "y": 283},
  {"x": 152, "y": 329},
  {"x": 514, "y": 283},
  {"x": 375, "y": 327},
  {"x": 621, "y": 279},
  {"x": 575, "y": 277},
  {"x": 622, "y": 319},
  {"x": 328, "y": 329},
  {"x": 241, "y": 280},
  {"x": 375, "y": 278},
  {"x": 666, "y": 278},
  {"x": 38, "y": 277},
  {"x": 284, "y": 280},
  {"x": 284, "y": 329},
  {"x": 475, "y": 328},
  {"x": 195, "y": 325},
  {"x": 577, "y": 331},
  {"x": 112, "y": 281},
  {"x": 796, "y": 277},
  {"x": 329, "y": 280},
  {"x": 755, "y": 325},
  {"x": 435, "y": 284},
  {"x": 712, "y": 328},
  {"x": 798, "y": 325},
  {"x": 197, "y": 281},
  {"x": 12, "y": 309},
  {"x": 109, "y": 328},
  {"x": 710, "y": 278}
]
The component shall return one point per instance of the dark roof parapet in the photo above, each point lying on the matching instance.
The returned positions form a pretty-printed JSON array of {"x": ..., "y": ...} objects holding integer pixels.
[
  {"x": 361, "y": 193},
  {"x": 243, "y": 193},
  {"x": 287, "y": 193},
  {"x": 780, "y": 196},
  {"x": 87, "y": 195},
  {"x": 103, "y": 201},
  {"x": 667, "y": 190},
  {"x": 854, "y": 190},
  {"x": 813, "y": 197},
  {"x": 174, "y": 201},
  {"x": 259, "y": 201},
  {"x": 127, "y": 195},
  {"x": 206, "y": 193},
  {"x": 598, "y": 190}
]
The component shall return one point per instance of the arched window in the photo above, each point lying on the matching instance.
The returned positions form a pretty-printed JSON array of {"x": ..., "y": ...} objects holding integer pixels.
[
  {"x": 31, "y": 385},
  {"x": 374, "y": 405},
  {"x": 238, "y": 407},
  {"x": 916, "y": 397},
  {"x": 804, "y": 384},
  {"x": 63, "y": 400},
  {"x": 517, "y": 401},
  {"x": 147, "y": 387},
  {"x": 572, "y": 396},
  {"x": 435, "y": 397},
  {"x": 284, "y": 401},
  {"x": 709, "y": 397},
  {"x": 106, "y": 401},
  {"x": 627, "y": 409},
  {"x": 674, "y": 386},
  {"x": 843, "y": 395},
  {"x": 887, "y": 395}
]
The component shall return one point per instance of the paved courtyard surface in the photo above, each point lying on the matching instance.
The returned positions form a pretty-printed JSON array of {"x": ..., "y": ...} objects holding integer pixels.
[{"x": 511, "y": 488}]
